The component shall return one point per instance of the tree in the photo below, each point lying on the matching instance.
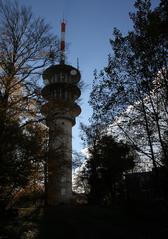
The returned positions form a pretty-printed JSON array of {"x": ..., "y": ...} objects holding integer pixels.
[
  {"x": 131, "y": 91},
  {"x": 108, "y": 161},
  {"x": 26, "y": 43}
]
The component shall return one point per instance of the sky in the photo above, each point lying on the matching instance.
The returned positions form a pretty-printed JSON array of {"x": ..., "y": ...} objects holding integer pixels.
[{"x": 90, "y": 25}]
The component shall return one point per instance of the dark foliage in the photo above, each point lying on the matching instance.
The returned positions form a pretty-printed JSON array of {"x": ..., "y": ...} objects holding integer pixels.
[
  {"x": 25, "y": 43},
  {"x": 136, "y": 76},
  {"x": 108, "y": 162}
]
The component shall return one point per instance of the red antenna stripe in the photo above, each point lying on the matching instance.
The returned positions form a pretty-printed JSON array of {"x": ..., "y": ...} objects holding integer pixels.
[
  {"x": 63, "y": 27},
  {"x": 62, "y": 45}
]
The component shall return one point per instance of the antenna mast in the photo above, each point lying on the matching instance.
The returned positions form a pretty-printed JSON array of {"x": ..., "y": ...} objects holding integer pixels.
[{"x": 62, "y": 44}]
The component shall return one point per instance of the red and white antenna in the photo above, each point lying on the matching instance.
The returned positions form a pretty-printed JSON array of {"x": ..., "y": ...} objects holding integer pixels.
[{"x": 62, "y": 44}]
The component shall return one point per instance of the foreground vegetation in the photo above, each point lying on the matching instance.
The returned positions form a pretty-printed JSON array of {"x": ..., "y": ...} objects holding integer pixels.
[{"x": 118, "y": 221}]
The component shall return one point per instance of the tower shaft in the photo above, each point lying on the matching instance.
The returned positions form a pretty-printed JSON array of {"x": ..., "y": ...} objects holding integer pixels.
[
  {"x": 59, "y": 188},
  {"x": 60, "y": 91}
]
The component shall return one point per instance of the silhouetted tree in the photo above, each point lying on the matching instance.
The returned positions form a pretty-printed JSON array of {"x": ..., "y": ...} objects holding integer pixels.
[
  {"x": 164, "y": 159},
  {"x": 133, "y": 86},
  {"x": 25, "y": 49},
  {"x": 106, "y": 165}
]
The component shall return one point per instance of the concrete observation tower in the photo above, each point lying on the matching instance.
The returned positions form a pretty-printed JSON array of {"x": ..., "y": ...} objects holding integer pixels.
[{"x": 61, "y": 91}]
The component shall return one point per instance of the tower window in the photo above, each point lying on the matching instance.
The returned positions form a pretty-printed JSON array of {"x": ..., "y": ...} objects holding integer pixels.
[
  {"x": 55, "y": 78},
  {"x": 63, "y": 191},
  {"x": 62, "y": 77},
  {"x": 52, "y": 79},
  {"x": 63, "y": 179},
  {"x": 66, "y": 95}
]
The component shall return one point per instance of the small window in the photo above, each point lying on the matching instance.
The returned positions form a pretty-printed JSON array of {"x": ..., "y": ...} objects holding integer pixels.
[
  {"x": 66, "y": 78},
  {"x": 63, "y": 179},
  {"x": 63, "y": 191},
  {"x": 66, "y": 95},
  {"x": 60, "y": 93},
  {"x": 63, "y": 94},
  {"x": 55, "y": 78},
  {"x": 52, "y": 79}
]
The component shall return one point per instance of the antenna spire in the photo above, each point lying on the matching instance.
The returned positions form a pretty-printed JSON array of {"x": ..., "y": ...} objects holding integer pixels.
[
  {"x": 78, "y": 63},
  {"x": 62, "y": 44}
]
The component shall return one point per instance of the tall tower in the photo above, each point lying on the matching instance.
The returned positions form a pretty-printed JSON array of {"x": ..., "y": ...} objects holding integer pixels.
[{"x": 61, "y": 91}]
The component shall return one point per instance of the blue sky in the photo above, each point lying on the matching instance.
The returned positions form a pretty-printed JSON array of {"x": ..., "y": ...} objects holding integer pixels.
[{"x": 89, "y": 27}]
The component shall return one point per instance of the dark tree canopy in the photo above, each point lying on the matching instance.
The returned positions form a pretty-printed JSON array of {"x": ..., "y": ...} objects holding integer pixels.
[
  {"x": 26, "y": 42},
  {"x": 133, "y": 86},
  {"x": 107, "y": 163}
]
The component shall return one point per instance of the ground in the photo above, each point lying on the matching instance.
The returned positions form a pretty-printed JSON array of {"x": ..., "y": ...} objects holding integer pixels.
[
  {"x": 100, "y": 222},
  {"x": 81, "y": 222}
]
